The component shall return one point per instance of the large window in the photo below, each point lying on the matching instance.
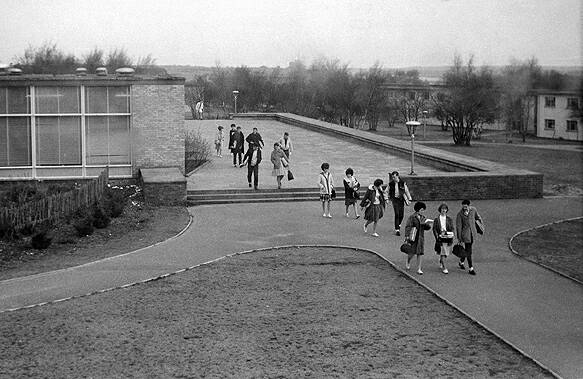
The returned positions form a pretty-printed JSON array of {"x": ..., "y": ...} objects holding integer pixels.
[
  {"x": 108, "y": 136},
  {"x": 14, "y": 127},
  {"x": 58, "y": 126},
  {"x": 51, "y": 121},
  {"x": 571, "y": 125},
  {"x": 573, "y": 103}
]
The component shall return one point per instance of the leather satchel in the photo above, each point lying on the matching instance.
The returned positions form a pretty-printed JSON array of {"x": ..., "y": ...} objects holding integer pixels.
[{"x": 407, "y": 248}]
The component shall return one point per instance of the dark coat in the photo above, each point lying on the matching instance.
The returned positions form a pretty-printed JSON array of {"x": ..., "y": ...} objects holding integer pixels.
[
  {"x": 349, "y": 192},
  {"x": 249, "y": 154},
  {"x": 370, "y": 195},
  {"x": 417, "y": 220},
  {"x": 236, "y": 142},
  {"x": 465, "y": 226},
  {"x": 449, "y": 226},
  {"x": 255, "y": 138}
]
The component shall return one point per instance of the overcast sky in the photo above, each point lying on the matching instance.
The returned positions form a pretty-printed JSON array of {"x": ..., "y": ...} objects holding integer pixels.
[{"x": 396, "y": 33}]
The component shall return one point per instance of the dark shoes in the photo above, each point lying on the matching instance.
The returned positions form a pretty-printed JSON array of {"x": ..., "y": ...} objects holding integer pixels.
[
  {"x": 461, "y": 265},
  {"x": 249, "y": 185},
  {"x": 472, "y": 272},
  {"x": 398, "y": 233}
]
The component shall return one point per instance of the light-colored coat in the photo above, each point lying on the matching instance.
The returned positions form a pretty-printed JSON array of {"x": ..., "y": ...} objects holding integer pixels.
[{"x": 325, "y": 186}]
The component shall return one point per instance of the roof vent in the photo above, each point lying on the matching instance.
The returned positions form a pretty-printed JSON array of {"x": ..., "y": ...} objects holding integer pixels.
[
  {"x": 81, "y": 71},
  {"x": 14, "y": 71},
  {"x": 101, "y": 71},
  {"x": 125, "y": 71}
]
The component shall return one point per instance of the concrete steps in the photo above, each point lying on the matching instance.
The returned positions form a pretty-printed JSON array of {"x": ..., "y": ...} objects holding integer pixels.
[{"x": 234, "y": 196}]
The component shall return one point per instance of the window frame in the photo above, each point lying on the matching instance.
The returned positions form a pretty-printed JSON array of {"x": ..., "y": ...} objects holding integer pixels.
[
  {"x": 550, "y": 101},
  {"x": 572, "y": 122},
  {"x": 548, "y": 121}
]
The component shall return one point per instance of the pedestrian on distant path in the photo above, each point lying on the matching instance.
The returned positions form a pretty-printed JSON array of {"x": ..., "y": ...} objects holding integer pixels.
[
  {"x": 326, "y": 184},
  {"x": 255, "y": 138},
  {"x": 286, "y": 145},
  {"x": 374, "y": 203},
  {"x": 351, "y": 187},
  {"x": 443, "y": 231},
  {"x": 280, "y": 164},
  {"x": 219, "y": 140},
  {"x": 399, "y": 196},
  {"x": 252, "y": 159},
  {"x": 466, "y": 232},
  {"x": 237, "y": 145},
  {"x": 199, "y": 108},
  {"x": 415, "y": 229}
]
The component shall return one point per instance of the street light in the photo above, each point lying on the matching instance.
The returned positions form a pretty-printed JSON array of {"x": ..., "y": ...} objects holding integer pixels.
[
  {"x": 411, "y": 126},
  {"x": 235, "y": 94},
  {"x": 424, "y": 123}
]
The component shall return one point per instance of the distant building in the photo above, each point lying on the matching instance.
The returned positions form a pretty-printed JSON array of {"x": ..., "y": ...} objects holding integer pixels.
[
  {"x": 72, "y": 126},
  {"x": 555, "y": 114}
]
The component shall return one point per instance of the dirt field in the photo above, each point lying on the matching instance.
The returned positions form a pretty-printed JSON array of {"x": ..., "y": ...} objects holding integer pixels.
[{"x": 288, "y": 313}]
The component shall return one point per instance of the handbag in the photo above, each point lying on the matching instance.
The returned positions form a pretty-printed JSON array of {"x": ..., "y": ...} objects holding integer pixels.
[
  {"x": 459, "y": 251},
  {"x": 290, "y": 176},
  {"x": 333, "y": 194},
  {"x": 480, "y": 227},
  {"x": 407, "y": 248}
]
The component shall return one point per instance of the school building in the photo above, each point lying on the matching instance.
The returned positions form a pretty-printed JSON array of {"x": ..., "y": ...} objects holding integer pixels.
[{"x": 73, "y": 126}]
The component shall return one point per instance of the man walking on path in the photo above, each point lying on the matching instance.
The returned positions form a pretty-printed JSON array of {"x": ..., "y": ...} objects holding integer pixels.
[
  {"x": 255, "y": 138},
  {"x": 252, "y": 159}
]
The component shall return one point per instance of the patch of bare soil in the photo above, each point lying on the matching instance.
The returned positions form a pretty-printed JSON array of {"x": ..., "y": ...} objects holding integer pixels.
[
  {"x": 290, "y": 313},
  {"x": 139, "y": 226},
  {"x": 558, "y": 246}
]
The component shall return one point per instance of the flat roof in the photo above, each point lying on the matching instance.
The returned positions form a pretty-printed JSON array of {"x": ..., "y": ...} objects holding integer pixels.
[{"x": 89, "y": 79}]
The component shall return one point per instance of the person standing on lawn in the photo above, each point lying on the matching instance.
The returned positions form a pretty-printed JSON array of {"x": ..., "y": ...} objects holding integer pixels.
[
  {"x": 252, "y": 159},
  {"x": 326, "y": 184},
  {"x": 399, "y": 196},
  {"x": 236, "y": 144},
  {"x": 415, "y": 229},
  {"x": 279, "y": 164},
  {"x": 351, "y": 186},
  {"x": 286, "y": 145},
  {"x": 374, "y": 203},
  {"x": 443, "y": 231},
  {"x": 466, "y": 232}
]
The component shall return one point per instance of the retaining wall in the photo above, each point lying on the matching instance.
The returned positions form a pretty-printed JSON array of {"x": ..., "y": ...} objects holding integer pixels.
[{"x": 461, "y": 176}]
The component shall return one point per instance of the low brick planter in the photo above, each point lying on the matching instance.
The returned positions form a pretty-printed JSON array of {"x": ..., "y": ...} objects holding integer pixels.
[{"x": 163, "y": 186}]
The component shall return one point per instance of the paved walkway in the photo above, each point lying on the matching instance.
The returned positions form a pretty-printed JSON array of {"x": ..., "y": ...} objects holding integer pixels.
[
  {"x": 311, "y": 149},
  {"x": 533, "y": 308}
]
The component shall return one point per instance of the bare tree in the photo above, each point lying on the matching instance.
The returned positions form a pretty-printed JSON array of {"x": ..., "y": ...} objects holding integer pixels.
[{"x": 468, "y": 101}]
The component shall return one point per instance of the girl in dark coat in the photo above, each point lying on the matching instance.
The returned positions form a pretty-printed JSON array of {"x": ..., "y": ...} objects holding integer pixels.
[
  {"x": 415, "y": 229},
  {"x": 351, "y": 186},
  {"x": 443, "y": 231},
  {"x": 374, "y": 202}
]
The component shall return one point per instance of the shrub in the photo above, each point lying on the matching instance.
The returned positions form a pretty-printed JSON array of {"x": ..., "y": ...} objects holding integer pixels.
[
  {"x": 41, "y": 240},
  {"x": 7, "y": 231},
  {"x": 113, "y": 202},
  {"x": 197, "y": 150},
  {"x": 83, "y": 222},
  {"x": 100, "y": 218}
]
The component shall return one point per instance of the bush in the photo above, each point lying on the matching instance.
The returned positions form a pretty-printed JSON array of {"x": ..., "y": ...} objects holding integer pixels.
[
  {"x": 41, "y": 240},
  {"x": 83, "y": 222},
  {"x": 197, "y": 151},
  {"x": 114, "y": 202},
  {"x": 100, "y": 218},
  {"x": 7, "y": 231}
]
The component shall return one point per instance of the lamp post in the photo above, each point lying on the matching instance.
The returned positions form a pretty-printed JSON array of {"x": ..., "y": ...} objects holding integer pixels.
[
  {"x": 235, "y": 94},
  {"x": 411, "y": 126},
  {"x": 424, "y": 123}
]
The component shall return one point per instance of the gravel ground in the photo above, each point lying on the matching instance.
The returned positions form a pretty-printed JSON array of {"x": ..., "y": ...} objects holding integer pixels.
[{"x": 289, "y": 313}]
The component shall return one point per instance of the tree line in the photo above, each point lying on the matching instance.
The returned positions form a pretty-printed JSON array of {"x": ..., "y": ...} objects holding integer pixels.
[{"x": 467, "y": 98}]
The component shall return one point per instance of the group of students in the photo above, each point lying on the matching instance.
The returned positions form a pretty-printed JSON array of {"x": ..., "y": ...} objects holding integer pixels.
[
  {"x": 373, "y": 204},
  {"x": 280, "y": 156}
]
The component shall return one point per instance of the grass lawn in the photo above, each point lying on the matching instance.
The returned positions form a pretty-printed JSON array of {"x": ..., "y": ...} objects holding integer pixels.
[
  {"x": 310, "y": 312},
  {"x": 559, "y": 246}
]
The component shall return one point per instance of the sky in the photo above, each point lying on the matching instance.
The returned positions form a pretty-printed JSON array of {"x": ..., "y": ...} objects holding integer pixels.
[{"x": 360, "y": 33}]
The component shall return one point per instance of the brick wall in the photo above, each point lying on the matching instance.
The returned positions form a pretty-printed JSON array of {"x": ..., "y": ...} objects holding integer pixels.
[{"x": 157, "y": 125}]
